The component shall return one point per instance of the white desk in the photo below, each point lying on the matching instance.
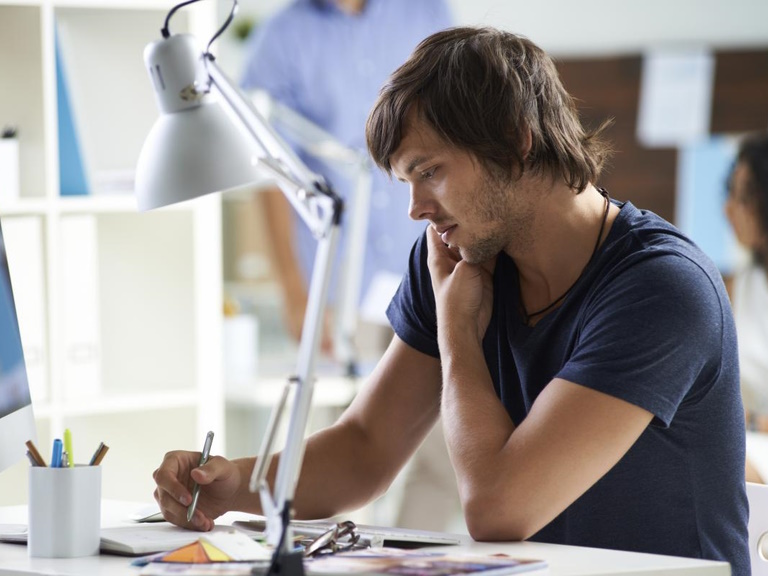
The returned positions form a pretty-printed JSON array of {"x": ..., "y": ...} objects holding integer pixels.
[{"x": 563, "y": 560}]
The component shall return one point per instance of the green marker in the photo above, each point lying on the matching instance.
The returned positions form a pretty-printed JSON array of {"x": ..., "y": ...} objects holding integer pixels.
[{"x": 68, "y": 447}]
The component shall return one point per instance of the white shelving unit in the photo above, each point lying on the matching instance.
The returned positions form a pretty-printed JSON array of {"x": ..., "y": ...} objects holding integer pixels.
[{"x": 120, "y": 311}]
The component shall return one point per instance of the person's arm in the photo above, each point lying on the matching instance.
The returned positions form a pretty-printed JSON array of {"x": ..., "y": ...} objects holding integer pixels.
[
  {"x": 751, "y": 473},
  {"x": 345, "y": 466},
  {"x": 279, "y": 223},
  {"x": 728, "y": 281},
  {"x": 514, "y": 481}
]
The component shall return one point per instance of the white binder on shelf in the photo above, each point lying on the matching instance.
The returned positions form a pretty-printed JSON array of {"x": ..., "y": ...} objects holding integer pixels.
[
  {"x": 24, "y": 245},
  {"x": 78, "y": 249}
]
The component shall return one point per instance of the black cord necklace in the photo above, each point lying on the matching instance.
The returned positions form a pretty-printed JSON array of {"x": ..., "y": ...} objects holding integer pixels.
[{"x": 528, "y": 317}]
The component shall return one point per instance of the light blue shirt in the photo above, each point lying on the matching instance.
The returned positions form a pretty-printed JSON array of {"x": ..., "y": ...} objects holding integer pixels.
[{"x": 329, "y": 66}]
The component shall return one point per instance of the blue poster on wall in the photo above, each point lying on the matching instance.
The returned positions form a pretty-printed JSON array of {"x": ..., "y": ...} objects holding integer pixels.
[{"x": 702, "y": 180}]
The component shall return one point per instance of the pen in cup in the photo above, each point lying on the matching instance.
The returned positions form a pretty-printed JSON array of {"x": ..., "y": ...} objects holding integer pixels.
[
  {"x": 56, "y": 453},
  {"x": 98, "y": 456},
  {"x": 68, "y": 448},
  {"x": 34, "y": 455},
  {"x": 196, "y": 490}
]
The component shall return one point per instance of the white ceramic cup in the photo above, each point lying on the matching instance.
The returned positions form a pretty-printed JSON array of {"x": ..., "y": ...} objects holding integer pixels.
[{"x": 64, "y": 511}]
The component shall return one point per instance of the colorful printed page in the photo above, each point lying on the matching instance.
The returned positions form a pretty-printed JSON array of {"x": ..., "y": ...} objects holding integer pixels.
[{"x": 230, "y": 546}]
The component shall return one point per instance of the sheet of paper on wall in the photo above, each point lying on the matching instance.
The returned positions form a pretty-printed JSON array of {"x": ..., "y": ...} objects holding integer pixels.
[
  {"x": 675, "y": 97},
  {"x": 380, "y": 292}
]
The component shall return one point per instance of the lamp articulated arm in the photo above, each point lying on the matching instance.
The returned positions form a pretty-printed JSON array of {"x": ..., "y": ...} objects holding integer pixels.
[{"x": 321, "y": 210}]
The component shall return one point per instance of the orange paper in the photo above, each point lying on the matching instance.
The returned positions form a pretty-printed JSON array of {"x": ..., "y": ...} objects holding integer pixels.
[{"x": 190, "y": 554}]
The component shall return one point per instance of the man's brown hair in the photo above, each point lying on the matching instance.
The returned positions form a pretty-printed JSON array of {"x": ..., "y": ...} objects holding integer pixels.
[{"x": 481, "y": 89}]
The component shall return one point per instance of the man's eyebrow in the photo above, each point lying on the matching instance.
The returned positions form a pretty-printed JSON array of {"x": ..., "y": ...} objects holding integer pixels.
[{"x": 415, "y": 162}]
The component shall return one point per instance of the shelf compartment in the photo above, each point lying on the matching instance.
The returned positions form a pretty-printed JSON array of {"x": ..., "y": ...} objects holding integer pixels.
[
  {"x": 117, "y": 404},
  {"x": 111, "y": 101},
  {"x": 21, "y": 92}
]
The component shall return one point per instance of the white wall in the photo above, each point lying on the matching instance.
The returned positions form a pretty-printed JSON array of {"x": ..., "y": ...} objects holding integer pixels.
[{"x": 591, "y": 27}]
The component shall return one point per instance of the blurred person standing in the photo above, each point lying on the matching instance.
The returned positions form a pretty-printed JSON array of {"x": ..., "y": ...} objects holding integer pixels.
[
  {"x": 326, "y": 60},
  {"x": 747, "y": 212}
]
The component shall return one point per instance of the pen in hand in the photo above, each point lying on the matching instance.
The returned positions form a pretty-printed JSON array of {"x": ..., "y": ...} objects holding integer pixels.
[{"x": 196, "y": 490}]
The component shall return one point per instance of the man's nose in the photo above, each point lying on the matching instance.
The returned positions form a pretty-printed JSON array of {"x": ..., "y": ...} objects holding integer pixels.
[{"x": 420, "y": 207}]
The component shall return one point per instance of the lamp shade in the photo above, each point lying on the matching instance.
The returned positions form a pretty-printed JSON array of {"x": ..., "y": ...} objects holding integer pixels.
[
  {"x": 194, "y": 148},
  {"x": 191, "y": 153}
]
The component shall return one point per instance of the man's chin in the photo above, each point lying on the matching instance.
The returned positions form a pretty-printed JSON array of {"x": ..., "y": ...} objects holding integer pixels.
[
  {"x": 477, "y": 257},
  {"x": 468, "y": 256}
]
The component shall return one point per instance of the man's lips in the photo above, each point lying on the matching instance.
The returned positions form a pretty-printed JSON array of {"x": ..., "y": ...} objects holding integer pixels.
[{"x": 444, "y": 232}]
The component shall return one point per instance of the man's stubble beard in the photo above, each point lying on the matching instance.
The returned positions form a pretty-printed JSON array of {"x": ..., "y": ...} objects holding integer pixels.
[{"x": 510, "y": 219}]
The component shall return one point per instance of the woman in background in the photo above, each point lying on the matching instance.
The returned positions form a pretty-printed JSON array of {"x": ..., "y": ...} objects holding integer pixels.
[{"x": 747, "y": 211}]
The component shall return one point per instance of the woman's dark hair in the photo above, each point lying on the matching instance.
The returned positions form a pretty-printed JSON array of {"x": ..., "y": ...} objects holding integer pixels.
[
  {"x": 481, "y": 90},
  {"x": 753, "y": 153}
]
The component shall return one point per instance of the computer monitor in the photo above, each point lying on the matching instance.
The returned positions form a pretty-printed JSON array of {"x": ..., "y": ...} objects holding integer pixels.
[{"x": 17, "y": 424}]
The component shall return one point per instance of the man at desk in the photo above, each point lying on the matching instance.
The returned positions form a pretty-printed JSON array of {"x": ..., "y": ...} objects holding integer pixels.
[{"x": 581, "y": 351}]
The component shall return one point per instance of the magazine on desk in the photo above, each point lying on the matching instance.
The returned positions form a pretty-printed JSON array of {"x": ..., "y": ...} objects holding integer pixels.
[
  {"x": 381, "y": 561},
  {"x": 393, "y": 561}
]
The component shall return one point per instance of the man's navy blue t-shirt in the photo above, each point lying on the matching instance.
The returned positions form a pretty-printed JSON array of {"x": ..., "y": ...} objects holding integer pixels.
[{"x": 648, "y": 322}]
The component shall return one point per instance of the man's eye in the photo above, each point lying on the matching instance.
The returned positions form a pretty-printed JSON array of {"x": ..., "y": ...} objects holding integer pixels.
[{"x": 427, "y": 174}]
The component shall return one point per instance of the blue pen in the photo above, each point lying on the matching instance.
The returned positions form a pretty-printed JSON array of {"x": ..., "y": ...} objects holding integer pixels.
[{"x": 56, "y": 454}]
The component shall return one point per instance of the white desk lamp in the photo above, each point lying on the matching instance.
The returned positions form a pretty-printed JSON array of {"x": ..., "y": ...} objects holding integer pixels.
[{"x": 210, "y": 138}]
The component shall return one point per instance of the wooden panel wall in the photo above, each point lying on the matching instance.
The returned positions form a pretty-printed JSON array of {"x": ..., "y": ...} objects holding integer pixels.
[{"x": 610, "y": 88}]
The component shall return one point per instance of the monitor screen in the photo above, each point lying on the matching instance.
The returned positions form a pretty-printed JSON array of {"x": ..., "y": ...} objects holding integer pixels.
[{"x": 16, "y": 419}]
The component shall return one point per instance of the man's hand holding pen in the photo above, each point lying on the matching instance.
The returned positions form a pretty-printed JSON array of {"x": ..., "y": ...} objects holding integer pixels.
[
  {"x": 203, "y": 459},
  {"x": 219, "y": 482}
]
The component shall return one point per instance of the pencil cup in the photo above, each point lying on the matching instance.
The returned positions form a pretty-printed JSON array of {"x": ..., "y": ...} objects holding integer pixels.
[{"x": 64, "y": 511}]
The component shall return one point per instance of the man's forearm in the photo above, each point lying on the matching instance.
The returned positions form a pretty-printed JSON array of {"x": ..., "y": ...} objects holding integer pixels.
[
  {"x": 339, "y": 473},
  {"x": 245, "y": 501},
  {"x": 477, "y": 427}
]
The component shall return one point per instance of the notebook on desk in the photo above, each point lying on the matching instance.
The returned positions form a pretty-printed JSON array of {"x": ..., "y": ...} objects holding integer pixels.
[
  {"x": 125, "y": 540},
  {"x": 375, "y": 536}
]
